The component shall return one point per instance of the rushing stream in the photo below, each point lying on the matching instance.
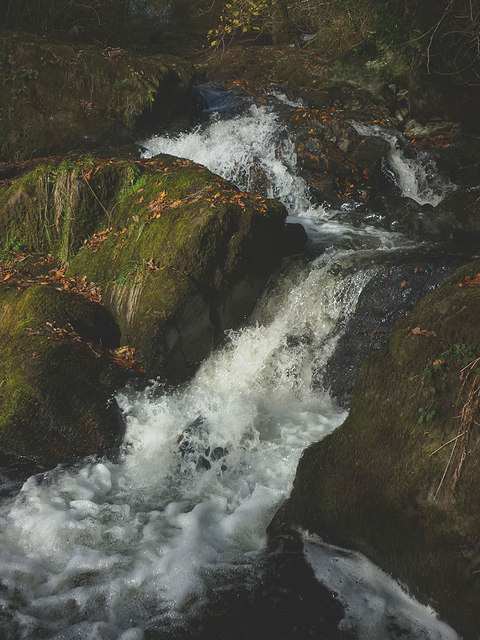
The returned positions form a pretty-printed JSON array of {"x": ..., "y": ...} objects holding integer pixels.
[{"x": 104, "y": 550}]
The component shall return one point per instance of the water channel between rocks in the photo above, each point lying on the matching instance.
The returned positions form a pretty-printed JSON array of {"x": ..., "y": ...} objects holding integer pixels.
[{"x": 105, "y": 550}]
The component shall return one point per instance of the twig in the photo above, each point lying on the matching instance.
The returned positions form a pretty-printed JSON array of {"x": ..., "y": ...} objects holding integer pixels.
[
  {"x": 447, "y": 443},
  {"x": 437, "y": 26},
  {"x": 445, "y": 471}
]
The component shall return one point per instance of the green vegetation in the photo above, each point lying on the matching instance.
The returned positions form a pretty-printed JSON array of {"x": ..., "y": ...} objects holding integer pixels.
[
  {"x": 440, "y": 37},
  {"x": 55, "y": 391},
  {"x": 154, "y": 235}
]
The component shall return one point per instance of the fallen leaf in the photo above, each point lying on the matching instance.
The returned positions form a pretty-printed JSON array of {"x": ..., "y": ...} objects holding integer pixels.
[{"x": 423, "y": 332}]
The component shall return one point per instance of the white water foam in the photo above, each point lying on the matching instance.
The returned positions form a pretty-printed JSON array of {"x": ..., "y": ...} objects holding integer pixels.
[
  {"x": 376, "y": 606},
  {"x": 122, "y": 544},
  {"x": 418, "y": 176}
]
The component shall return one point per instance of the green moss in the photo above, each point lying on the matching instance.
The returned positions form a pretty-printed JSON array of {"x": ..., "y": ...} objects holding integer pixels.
[
  {"x": 385, "y": 481},
  {"x": 151, "y": 233},
  {"x": 176, "y": 230},
  {"x": 55, "y": 97},
  {"x": 55, "y": 390}
]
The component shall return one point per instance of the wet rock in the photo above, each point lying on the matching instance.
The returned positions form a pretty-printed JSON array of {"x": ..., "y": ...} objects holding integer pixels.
[
  {"x": 392, "y": 292},
  {"x": 322, "y": 152},
  {"x": 295, "y": 238},
  {"x": 399, "y": 480},
  {"x": 282, "y": 601},
  {"x": 339, "y": 165},
  {"x": 457, "y": 218},
  {"x": 192, "y": 447}
]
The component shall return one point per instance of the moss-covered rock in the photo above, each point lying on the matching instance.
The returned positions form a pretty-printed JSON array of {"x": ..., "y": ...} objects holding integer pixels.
[
  {"x": 185, "y": 258},
  {"x": 57, "y": 97},
  {"x": 400, "y": 479},
  {"x": 180, "y": 254},
  {"x": 56, "y": 384}
]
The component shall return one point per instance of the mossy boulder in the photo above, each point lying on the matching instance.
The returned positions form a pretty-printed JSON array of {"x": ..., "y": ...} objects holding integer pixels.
[
  {"x": 180, "y": 254},
  {"x": 56, "y": 384},
  {"x": 184, "y": 258},
  {"x": 399, "y": 480},
  {"x": 57, "y": 97}
]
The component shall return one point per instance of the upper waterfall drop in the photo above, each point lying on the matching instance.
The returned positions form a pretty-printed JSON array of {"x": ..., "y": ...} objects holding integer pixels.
[
  {"x": 253, "y": 150},
  {"x": 416, "y": 176}
]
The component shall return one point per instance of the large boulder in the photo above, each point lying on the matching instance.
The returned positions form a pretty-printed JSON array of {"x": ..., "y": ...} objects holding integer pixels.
[
  {"x": 457, "y": 218},
  {"x": 56, "y": 378},
  {"x": 399, "y": 480},
  {"x": 57, "y": 97},
  {"x": 339, "y": 165},
  {"x": 184, "y": 258},
  {"x": 179, "y": 253}
]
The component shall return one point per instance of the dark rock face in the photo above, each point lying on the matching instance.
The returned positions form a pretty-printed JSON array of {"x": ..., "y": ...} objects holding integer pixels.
[
  {"x": 457, "y": 218},
  {"x": 390, "y": 295},
  {"x": 337, "y": 163},
  {"x": 295, "y": 238},
  {"x": 399, "y": 479},
  {"x": 284, "y": 602}
]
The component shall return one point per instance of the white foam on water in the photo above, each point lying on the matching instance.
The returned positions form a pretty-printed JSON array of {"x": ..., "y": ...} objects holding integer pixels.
[
  {"x": 376, "y": 606},
  {"x": 240, "y": 149}
]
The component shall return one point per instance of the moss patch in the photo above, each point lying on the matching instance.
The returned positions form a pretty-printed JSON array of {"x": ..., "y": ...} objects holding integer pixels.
[
  {"x": 399, "y": 479},
  {"x": 56, "y": 389},
  {"x": 57, "y": 97},
  {"x": 177, "y": 232}
]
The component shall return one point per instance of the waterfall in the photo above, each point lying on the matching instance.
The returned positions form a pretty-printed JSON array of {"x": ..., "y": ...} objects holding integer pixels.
[
  {"x": 416, "y": 175},
  {"x": 106, "y": 549}
]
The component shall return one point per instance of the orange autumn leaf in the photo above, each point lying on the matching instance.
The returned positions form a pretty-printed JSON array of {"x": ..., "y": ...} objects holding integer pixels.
[
  {"x": 423, "y": 332},
  {"x": 470, "y": 282}
]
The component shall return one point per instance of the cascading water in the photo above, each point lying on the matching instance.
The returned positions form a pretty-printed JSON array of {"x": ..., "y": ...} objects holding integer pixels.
[
  {"x": 416, "y": 176},
  {"x": 107, "y": 549}
]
